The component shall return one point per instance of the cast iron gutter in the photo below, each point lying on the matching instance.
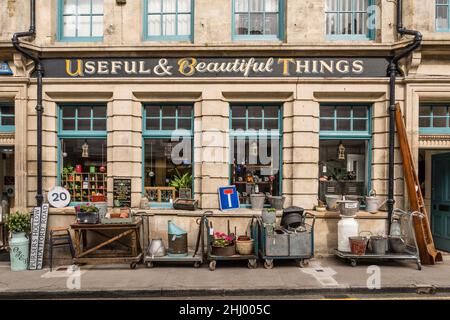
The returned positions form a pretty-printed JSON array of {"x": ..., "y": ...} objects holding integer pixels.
[
  {"x": 393, "y": 66},
  {"x": 31, "y": 33}
]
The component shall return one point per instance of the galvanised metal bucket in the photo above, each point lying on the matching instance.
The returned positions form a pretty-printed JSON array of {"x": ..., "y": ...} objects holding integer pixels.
[{"x": 378, "y": 244}]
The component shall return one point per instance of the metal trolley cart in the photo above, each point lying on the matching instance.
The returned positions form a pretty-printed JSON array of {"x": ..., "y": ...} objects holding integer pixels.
[
  {"x": 252, "y": 258},
  {"x": 193, "y": 256},
  {"x": 283, "y": 244},
  {"x": 404, "y": 248}
]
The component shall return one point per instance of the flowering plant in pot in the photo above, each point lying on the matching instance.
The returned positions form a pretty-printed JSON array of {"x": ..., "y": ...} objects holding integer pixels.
[
  {"x": 19, "y": 225},
  {"x": 87, "y": 213},
  {"x": 223, "y": 244}
]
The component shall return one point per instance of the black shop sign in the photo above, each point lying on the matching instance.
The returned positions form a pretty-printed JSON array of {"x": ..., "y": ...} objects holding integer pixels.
[{"x": 122, "y": 192}]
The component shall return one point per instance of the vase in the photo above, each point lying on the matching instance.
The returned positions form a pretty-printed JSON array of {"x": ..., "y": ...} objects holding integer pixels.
[
  {"x": 224, "y": 251},
  {"x": 19, "y": 252}
]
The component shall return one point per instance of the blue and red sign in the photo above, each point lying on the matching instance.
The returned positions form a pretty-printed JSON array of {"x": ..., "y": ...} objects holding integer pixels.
[{"x": 228, "y": 198}]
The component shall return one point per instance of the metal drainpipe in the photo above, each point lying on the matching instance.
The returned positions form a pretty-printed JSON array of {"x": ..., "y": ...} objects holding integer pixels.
[
  {"x": 39, "y": 109},
  {"x": 392, "y": 70}
]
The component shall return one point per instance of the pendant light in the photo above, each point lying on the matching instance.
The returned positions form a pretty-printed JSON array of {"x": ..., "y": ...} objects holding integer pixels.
[
  {"x": 102, "y": 167},
  {"x": 341, "y": 151},
  {"x": 151, "y": 173},
  {"x": 85, "y": 150}
]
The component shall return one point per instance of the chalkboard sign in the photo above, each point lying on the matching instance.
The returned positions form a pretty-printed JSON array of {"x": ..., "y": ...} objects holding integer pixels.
[{"x": 122, "y": 192}]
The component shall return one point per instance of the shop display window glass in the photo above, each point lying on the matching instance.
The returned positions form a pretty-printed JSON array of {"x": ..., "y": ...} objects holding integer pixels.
[
  {"x": 442, "y": 15},
  {"x": 168, "y": 164},
  {"x": 80, "y": 20},
  {"x": 345, "y": 150},
  {"x": 434, "y": 118},
  {"x": 7, "y": 117},
  {"x": 255, "y": 150},
  {"x": 349, "y": 19},
  {"x": 168, "y": 19},
  {"x": 258, "y": 19},
  {"x": 83, "y": 151}
]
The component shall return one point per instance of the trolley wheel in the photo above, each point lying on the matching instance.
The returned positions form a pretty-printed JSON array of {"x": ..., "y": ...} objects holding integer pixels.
[
  {"x": 212, "y": 265},
  {"x": 197, "y": 264},
  {"x": 252, "y": 264},
  {"x": 353, "y": 262},
  {"x": 268, "y": 264},
  {"x": 133, "y": 265},
  {"x": 150, "y": 264},
  {"x": 302, "y": 263},
  {"x": 419, "y": 265}
]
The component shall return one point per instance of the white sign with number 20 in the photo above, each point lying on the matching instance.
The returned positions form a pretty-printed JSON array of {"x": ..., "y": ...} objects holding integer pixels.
[{"x": 58, "y": 197}]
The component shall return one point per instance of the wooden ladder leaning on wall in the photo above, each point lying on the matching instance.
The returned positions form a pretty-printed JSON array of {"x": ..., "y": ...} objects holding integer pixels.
[{"x": 428, "y": 253}]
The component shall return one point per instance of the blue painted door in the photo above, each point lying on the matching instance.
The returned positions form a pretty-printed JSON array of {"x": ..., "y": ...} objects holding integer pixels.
[{"x": 440, "y": 201}]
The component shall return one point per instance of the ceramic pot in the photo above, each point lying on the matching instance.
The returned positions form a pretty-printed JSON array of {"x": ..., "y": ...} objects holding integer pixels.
[{"x": 19, "y": 253}]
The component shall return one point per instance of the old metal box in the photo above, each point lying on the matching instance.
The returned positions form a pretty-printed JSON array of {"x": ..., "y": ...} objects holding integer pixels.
[
  {"x": 299, "y": 244},
  {"x": 278, "y": 244}
]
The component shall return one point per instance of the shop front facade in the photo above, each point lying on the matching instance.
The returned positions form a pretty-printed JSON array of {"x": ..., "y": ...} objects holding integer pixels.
[{"x": 289, "y": 113}]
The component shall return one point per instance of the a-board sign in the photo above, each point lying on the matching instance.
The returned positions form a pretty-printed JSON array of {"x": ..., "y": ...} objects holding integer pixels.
[
  {"x": 228, "y": 198},
  {"x": 122, "y": 192},
  {"x": 58, "y": 197}
]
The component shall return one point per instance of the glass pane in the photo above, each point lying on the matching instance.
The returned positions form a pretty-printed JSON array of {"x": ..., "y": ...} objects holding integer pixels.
[
  {"x": 184, "y": 24},
  {"x": 7, "y": 110},
  {"x": 326, "y": 125},
  {"x": 360, "y": 112},
  {"x": 331, "y": 5},
  {"x": 7, "y": 121},
  {"x": 359, "y": 125},
  {"x": 238, "y": 112},
  {"x": 99, "y": 112},
  {"x": 271, "y": 6},
  {"x": 84, "y": 124},
  {"x": 84, "y": 6},
  {"x": 68, "y": 112},
  {"x": 152, "y": 124},
  {"x": 270, "y": 112},
  {"x": 271, "y": 24},
  {"x": 184, "y": 6},
  {"x": 84, "y": 112},
  {"x": 326, "y": 112},
  {"x": 342, "y": 112},
  {"x": 69, "y": 26},
  {"x": 332, "y": 23},
  {"x": 440, "y": 111},
  {"x": 70, "y": 6},
  {"x": 361, "y": 5},
  {"x": 169, "y": 111},
  {"x": 99, "y": 125},
  {"x": 68, "y": 124},
  {"x": 255, "y": 124},
  {"x": 184, "y": 111},
  {"x": 442, "y": 17},
  {"x": 424, "y": 122},
  {"x": 441, "y": 1},
  {"x": 169, "y": 25},
  {"x": 270, "y": 124},
  {"x": 97, "y": 26},
  {"x": 184, "y": 124},
  {"x": 345, "y": 5},
  {"x": 169, "y": 6},
  {"x": 154, "y": 6},
  {"x": 238, "y": 124},
  {"x": 425, "y": 111},
  {"x": 241, "y": 23},
  {"x": 168, "y": 124},
  {"x": 152, "y": 111},
  {"x": 256, "y": 23},
  {"x": 346, "y": 23},
  {"x": 256, "y": 5},
  {"x": 154, "y": 25},
  {"x": 343, "y": 125},
  {"x": 84, "y": 26},
  {"x": 241, "y": 5},
  {"x": 360, "y": 23},
  {"x": 255, "y": 112},
  {"x": 440, "y": 122},
  {"x": 97, "y": 6}
]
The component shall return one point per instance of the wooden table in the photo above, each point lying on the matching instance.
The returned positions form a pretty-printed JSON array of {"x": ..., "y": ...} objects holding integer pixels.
[{"x": 95, "y": 254}]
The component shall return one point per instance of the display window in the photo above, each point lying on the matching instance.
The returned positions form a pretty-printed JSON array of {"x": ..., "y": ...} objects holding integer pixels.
[
  {"x": 167, "y": 170},
  {"x": 7, "y": 117},
  {"x": 255, "y": 145},
  {"x": 344, "y": 150},
  {"x": 82, "y": 152}
]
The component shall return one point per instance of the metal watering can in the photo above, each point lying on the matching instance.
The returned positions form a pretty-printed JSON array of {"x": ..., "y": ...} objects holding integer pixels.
[{"x": 373, "y": 203}]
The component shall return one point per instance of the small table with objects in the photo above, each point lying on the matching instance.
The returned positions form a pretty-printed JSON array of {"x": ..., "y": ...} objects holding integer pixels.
[{"x": 113, "y": 234}]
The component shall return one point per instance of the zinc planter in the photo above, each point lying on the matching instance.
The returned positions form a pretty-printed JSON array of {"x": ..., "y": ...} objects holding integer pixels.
[
  {"x": 19, "y": 251},
  {"x": 257, "y": 200}
]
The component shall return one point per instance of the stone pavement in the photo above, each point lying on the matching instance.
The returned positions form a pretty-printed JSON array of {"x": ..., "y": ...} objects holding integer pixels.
[{"x": 327, "y": 275}]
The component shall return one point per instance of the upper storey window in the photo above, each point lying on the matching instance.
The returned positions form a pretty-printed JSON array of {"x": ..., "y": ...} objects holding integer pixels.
[
  {"x": 168, "y": 19},
  {"x": 442, "y": 14},
  {"x": 80, "y": 20},
  {"x": 258, "y": 19},
  {"x": 348, "y": 19}
]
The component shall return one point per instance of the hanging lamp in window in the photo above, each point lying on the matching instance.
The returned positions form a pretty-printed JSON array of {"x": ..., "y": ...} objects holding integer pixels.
[
  {"x": 341, "y": 151},
  {"x": 85, "y": 150},
  {"x": 102, "y": 167}
]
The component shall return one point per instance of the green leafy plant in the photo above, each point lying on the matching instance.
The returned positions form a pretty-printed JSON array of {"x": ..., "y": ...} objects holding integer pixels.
[
  {"x": 181, "y": 180},
  {"x": 88, "y": 208},
  {"x": 19, "y": 222},
  {"x": 68, "y": 169},
  {"x": 271, "y": 210},
  {"x": 222, "y": 240}
]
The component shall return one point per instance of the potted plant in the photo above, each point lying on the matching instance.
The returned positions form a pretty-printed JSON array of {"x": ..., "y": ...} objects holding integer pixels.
[
  {"x": 181, "y": 181},
  {"x": 87, "y": 213},
  {"x": 68, "y": 172},
  {"x": 244, "y": 245},
  {"x": 223, "y": 245},
  {"x": 257, "y": 200},
  {"x": 269, "y": 215},
  {"x": 19, "y": 225}
]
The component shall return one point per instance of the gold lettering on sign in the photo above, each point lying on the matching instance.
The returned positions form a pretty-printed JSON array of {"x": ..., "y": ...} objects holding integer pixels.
[
  {"x": 285, "y": 62},
  {"x": 187, "y": 66},
  {"x": 78, "y": 72}
]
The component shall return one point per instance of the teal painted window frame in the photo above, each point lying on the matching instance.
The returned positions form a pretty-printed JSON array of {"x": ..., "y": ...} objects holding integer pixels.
[
  {"x": 166, "y": 134},
  {"x": 77, "y": 134},
  {"x": 281, "y": 23},
  {"x": 437, "y": 6},
  {"x": 243, "y": 134},
  {"x": 370, "y": 35},
  {"x": 60, "y": 29},
  {"x": 177, "y": 37},
  {"x": 7, "y": 128},
  {"x": 432, "y": 129},
  {"x": 352, "y": 135}
]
